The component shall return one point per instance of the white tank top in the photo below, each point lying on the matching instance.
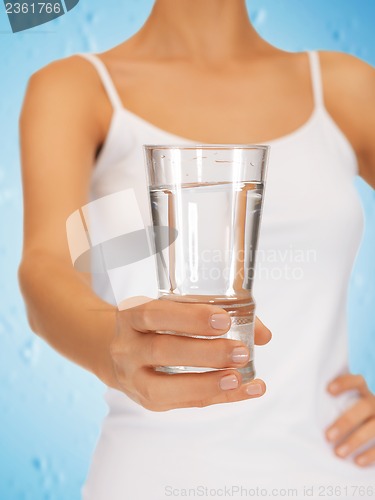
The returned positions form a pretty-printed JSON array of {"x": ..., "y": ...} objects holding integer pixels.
[{"x": 311, "y": 228}]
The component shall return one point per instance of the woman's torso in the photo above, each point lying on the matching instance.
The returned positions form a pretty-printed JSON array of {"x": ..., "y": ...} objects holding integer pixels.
[{"x": 311, "y": 229}]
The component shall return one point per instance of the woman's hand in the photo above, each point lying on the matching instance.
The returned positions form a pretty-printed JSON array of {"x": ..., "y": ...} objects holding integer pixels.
[
  {"x": 137, "y": 349},
  {"x": 355, "y": 427}
]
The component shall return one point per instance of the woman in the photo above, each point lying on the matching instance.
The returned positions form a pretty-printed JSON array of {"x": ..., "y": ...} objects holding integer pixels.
[{"x": 199, "y": 72}]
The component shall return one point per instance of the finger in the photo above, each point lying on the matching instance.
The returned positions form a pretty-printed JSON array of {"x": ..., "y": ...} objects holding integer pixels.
[
  {"x": 262, "y": 335},
  {"x": 366, "y": 458},
  {"x": 169, "y": 350},
  {"x": 349, "y": 420},
  {"x": 159, "y": 391},
  {"x": 356, "y": 439},
  {"x": 348, "y": 382},
  {"x": 180, "y": 317},
  {"x": 168, "y": 315},
  {"x": 250, "y": 390}
]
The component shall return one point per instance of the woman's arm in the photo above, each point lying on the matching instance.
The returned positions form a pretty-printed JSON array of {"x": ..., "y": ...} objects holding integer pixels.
[
  {"x": 62, "y": 126},
  {"x": 350, "y": 97},
  {"x": 59, "y": 129}
]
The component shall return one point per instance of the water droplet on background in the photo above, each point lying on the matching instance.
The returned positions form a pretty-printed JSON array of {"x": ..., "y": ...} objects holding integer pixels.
[
  {"x": 73, "y": 397},
  {"x": 90, "y": 17},
  {"x": 337, "y": 35},
  {"x": 39, "y": 463},
  {"x": 259, "y": 17},
  {"x": 30, "y": 352},
  {"x": 358, "y": 280},
  {"x": 5, "y": 325},
  {"x": 6, "y": 195}
]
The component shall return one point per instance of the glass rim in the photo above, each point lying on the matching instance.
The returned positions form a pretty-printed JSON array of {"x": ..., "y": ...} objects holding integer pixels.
[{"x": 263, "y": 147}]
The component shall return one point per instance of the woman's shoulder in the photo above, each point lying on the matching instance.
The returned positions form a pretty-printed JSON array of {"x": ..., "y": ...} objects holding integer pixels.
[
  {"x": 348, "y": 80},
  {"x": 346, "y": 70},
  {"x": 349, "y": 95},
  {"x": 66, "y": 87},
  {"x": 70, "y": 74}
]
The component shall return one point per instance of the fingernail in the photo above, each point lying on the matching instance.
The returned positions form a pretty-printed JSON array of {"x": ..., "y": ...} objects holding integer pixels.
[
  {"x": 361, "y": 461},
  {"x": 220, "y": 321},
  {"x": 240, "y": 355},
  {"x": 228, "y": 382},
  {"x": 343, "y": 450},
  {"x": 333, "y": 387},
  {"x": 254, "y": 390},
  {"x": 333, "y": 434}
]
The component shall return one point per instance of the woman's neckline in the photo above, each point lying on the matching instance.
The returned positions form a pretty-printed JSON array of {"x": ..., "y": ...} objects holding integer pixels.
[
  {"x": 119, "y": 107},
  {"x": 318, "y": 111},
  {"x": 313, "y": 115}
]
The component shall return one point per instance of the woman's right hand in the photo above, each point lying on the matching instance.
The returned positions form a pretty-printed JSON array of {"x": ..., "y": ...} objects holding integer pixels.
[{"x": 137, "y": 349}]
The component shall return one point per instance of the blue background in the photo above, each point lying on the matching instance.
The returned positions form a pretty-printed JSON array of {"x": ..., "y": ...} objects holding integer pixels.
[{"x": 50, "y": 410}]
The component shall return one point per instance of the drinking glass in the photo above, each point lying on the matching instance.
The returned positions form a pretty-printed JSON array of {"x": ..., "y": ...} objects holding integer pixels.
[{"x": 206, "y": 205}]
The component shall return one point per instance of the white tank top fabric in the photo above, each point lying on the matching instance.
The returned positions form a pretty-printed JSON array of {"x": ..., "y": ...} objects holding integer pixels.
[{"x": 311, "y": 229}]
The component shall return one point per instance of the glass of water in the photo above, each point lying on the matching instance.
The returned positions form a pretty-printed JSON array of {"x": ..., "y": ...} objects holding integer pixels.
[{"x": 206, "y": 205}]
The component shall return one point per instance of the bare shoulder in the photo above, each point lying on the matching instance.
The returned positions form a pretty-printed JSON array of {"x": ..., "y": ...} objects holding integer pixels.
[
  {"x": 68, "y": 87},
  {"x": 59, "y": 135},
  {"x": 349, "y": 95},
  {"x": 71, "y": 76},
  {"x": 347, "y": 70},
  {"x": 347, "y": 79}
]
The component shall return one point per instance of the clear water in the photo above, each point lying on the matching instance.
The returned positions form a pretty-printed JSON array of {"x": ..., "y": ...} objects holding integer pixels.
[{"x": 207, "y": 254}]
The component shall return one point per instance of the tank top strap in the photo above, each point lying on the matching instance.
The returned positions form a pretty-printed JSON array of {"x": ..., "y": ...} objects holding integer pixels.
[
  {"x": 105, "y": 78},
  {"x": 316, "y": 78}
]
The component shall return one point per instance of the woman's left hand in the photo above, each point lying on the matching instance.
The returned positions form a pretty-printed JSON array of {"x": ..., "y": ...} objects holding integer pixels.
[{"x": 356, "y": 426}]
